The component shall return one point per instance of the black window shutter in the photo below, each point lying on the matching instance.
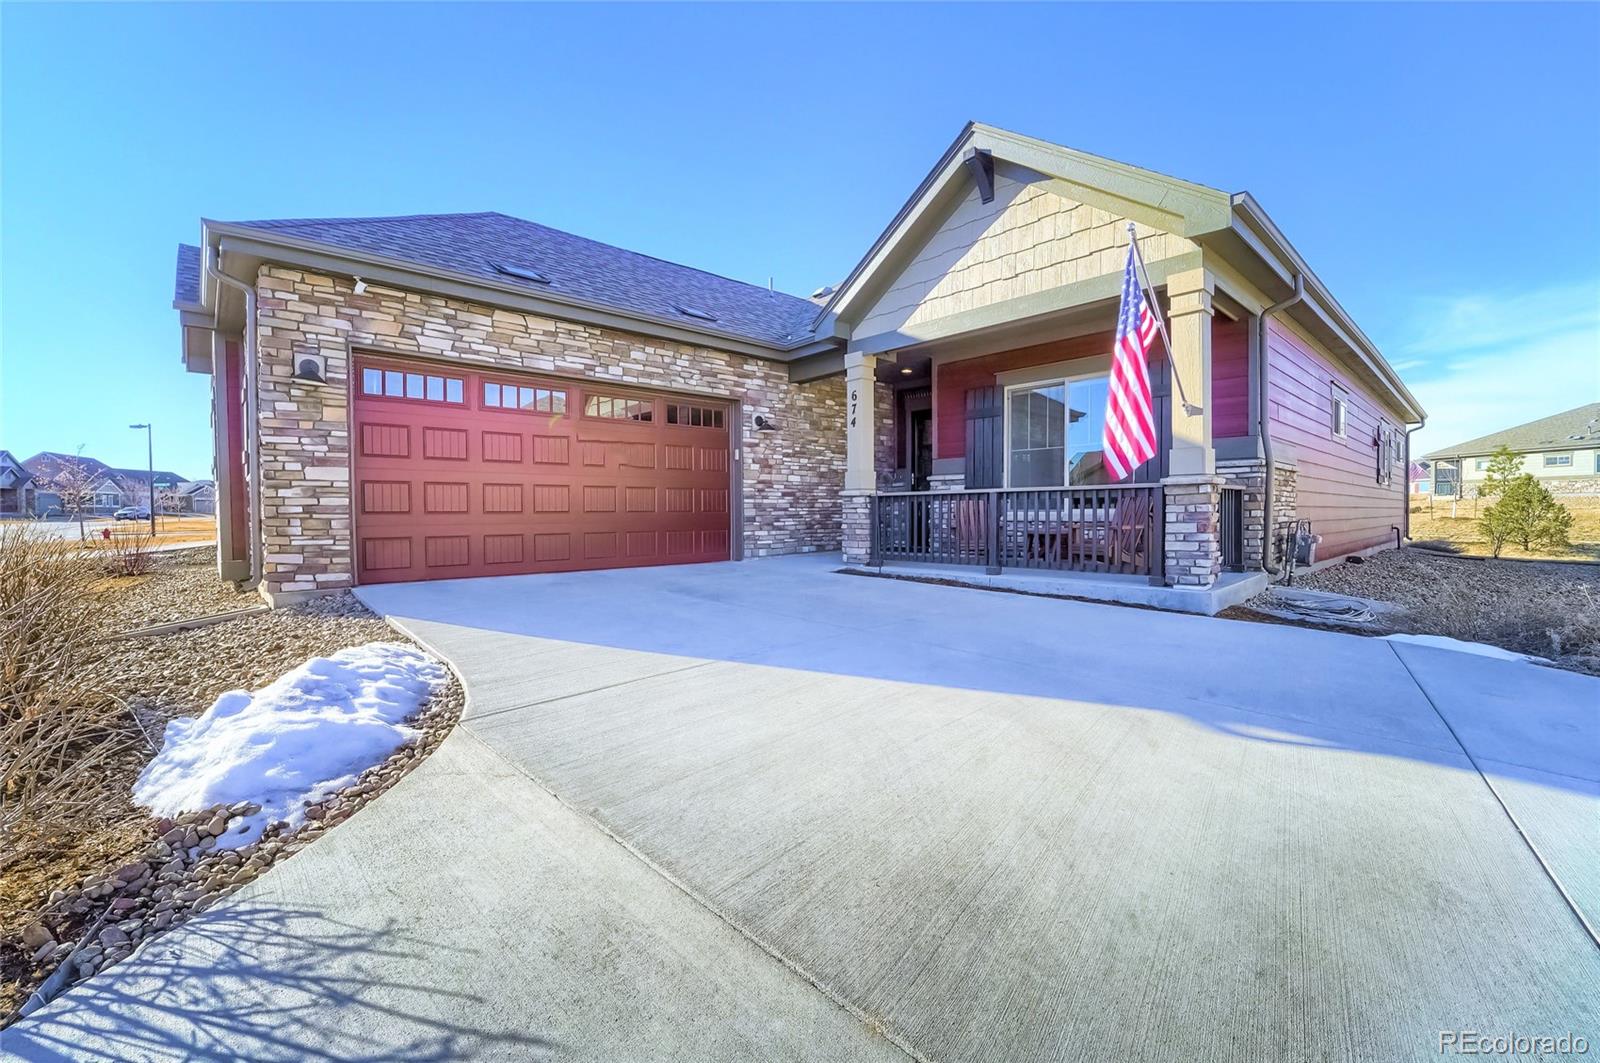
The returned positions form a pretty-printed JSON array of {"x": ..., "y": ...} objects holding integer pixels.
[
  {"x": 985, "y": 437},
  {"x": 1154, "y": 470}
]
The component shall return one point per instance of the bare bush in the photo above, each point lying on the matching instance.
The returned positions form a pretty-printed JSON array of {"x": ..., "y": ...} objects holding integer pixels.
[
  {"x": 57, "y": 730},
  {"x": 127, "y": 552}
]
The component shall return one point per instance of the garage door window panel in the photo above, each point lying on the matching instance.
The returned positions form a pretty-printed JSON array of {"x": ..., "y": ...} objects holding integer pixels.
[
  {"x": 523, "y": 398},
  {"x": 618, "y": 408},
  {"x": 416, "y": 387}
]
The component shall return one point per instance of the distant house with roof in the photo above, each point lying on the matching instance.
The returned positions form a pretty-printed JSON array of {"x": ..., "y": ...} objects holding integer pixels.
[
  {"x": 1562, "y": 451},
  {"x": 16, "y": 487},
  {"x": 110, "y": 488}
]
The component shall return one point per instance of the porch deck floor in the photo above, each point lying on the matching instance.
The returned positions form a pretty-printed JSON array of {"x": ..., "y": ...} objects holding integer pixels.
[{"x": 1231, "y": 588}]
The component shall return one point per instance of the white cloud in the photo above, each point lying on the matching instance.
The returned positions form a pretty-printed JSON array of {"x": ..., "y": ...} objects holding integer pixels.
[{"x": 1480, "y": 363}]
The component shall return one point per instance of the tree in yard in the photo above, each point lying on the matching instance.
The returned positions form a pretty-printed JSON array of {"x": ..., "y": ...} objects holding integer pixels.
[
  {"x": 1526, "y": 514},
  {"x": 74, "y": 485},
  {"x": 169, "y": 499},
  {"x": 1505, "y": 465}
]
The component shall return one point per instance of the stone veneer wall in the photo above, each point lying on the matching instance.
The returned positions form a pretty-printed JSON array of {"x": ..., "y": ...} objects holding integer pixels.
[
  {"x": 1285, "y": 493},
  {"x": 792, "y": 475},
  {"x": 1193, "y": 555},
  {"x": 1250, "y": 474}
]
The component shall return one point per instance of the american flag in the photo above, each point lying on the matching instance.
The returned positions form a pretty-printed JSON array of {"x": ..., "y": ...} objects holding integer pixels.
[{"x": 1130, "y": 435}]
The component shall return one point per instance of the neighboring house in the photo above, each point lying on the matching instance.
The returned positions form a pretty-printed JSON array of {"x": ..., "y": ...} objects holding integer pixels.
[
  {"x": 1562, "y": 451},
  {"x": 17, "y": 488},
  {"x": 1421, "y": 477},
  {"x": 110, "y": 488},
  {"x": 199, "y": 496},
  {"x": 472, "y": 394}
]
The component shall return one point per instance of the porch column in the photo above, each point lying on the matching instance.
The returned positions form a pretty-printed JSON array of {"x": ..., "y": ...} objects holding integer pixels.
[
  {"x": 1190, "y": 323},
  {"x": 860, "y": 471},
  {"x": 860, "y": 464}
]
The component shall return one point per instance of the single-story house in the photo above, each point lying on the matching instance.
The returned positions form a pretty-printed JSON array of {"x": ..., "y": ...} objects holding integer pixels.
[
  {"x": 198, "y": 496},
  {"x": 17, "y": 488},
  {"x": 106, "y": 489},
  {"x": 435, "y": 396},
  {"x": 1562, "y": 451}
]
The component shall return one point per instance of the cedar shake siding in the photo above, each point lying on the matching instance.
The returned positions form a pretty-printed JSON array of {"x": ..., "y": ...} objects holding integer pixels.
[{"x": 1337, "y": 484}]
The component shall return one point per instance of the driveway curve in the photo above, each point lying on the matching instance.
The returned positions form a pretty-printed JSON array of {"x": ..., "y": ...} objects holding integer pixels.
[{"x": 766, "y": 810}]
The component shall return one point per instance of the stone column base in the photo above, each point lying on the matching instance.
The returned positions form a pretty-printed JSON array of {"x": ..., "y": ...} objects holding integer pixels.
[
  {"x": 855, "y": 526},
  {"x": 1250, "y": 474},
  {"x": 1193, "y": 507}
]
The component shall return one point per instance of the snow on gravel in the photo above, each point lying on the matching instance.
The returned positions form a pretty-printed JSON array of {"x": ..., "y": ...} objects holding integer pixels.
[
  {"x": 287, "y": 745},
  {"x": 1481, "y": 649}
]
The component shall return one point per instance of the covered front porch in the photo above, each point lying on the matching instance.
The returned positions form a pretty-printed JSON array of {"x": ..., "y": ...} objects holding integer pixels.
[{"x": 980, "y": 453}]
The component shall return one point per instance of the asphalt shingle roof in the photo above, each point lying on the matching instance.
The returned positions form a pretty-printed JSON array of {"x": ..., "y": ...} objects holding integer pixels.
[
  {"x": 186, "y": 283},
  {"x": 47, "y": 465},
  {"x": 475, "y": 244},
  {"x": 1578, "y": 427}
]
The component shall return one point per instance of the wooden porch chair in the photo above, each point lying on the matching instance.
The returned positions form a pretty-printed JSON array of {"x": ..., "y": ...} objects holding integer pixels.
[{"x": 1127, "y": 537}]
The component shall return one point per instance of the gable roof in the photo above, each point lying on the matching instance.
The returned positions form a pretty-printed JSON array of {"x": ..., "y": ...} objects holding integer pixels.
[
  {"x": 504, "y": 251},
  {"x": 1230, "y": 227},
  {"x": 1577, "y": 427},
  {"x": 47, "y": 466},
  {"x": 12, "y": 472}
]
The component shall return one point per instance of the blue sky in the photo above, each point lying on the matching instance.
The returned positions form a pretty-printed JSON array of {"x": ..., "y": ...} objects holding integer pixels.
[{"x": 1439, "y": 166}]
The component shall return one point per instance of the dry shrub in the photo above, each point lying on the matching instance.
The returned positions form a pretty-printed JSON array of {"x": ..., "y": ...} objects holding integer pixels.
[
  {"x": 57, "y": 729},
  {"x": 1547, "y": 609},
  {"x": 127, "y": 553}
]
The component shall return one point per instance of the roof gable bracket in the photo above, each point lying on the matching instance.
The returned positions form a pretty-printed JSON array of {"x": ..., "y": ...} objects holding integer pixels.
[{"x": 980, "y": 163}]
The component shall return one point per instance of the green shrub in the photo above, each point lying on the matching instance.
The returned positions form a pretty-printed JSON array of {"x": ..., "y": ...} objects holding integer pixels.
[{"x": 1526, "y": 514}]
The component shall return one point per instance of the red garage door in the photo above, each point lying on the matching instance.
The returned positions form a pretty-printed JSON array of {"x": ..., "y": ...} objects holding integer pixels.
[{"x": 462, "y": 473}]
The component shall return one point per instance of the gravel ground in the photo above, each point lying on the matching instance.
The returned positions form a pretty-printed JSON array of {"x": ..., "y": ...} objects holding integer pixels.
[
  {"x": 181, "y": 585},
  {"x": 160, "y": 677},
  {"x": 1549, "y": 610}
]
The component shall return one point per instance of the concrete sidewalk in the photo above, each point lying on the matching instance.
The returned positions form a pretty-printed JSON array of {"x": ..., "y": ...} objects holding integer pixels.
[{"x": 989, "y": 826}]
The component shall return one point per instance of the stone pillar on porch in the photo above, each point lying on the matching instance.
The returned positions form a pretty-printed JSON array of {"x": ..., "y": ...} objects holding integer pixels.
[
  {"x": 860, "y": 466},
  {"x": 1193, "y": 490}
]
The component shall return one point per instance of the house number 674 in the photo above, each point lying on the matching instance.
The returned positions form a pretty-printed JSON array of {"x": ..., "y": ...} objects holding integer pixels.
[{"x": 853, "y": 398}]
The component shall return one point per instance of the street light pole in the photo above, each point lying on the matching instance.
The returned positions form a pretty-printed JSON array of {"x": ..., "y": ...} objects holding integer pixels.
[{"x": 150, "y": 458}]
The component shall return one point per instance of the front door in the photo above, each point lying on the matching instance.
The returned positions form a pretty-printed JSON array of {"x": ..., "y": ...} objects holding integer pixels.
[{"x": 921, "y": 449}]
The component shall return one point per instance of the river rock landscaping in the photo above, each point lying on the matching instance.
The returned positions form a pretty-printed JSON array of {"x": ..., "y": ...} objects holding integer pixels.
[
  {"x": 1549, "y": 610},
  {"x": 122, "y": 875}
]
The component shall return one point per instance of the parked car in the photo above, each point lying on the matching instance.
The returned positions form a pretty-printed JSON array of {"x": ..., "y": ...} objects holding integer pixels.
[{"x": 132, "y": 513}]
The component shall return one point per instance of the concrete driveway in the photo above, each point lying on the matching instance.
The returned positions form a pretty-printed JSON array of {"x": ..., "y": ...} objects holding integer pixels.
[{"x": 765, "y": 810}]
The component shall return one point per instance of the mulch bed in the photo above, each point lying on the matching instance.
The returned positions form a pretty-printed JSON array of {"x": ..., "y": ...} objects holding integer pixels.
[
  {"x": 1547, "y": 609},
  {"x": 159, "y": 678}
]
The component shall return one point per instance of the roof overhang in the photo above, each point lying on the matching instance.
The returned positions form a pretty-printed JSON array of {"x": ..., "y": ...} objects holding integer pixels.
[
  {"x": 1231, "y": 228},
  {"x": 241, "y": 252}
]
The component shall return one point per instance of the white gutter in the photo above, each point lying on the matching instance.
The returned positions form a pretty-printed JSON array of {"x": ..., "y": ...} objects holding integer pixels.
[{"x": 252, "y": 412}]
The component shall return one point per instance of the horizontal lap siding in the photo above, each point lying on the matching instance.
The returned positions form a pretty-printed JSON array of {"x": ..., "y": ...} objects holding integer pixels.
[
  {"x": 1230, "y": 378},
  {"x": 1337, "y": 484}
]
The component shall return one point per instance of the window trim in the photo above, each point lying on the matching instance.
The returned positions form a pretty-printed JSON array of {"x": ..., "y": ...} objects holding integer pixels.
[
  {"x": 536, "y": 386},
  {"x": 359, "y": 385},
  {"x": 625, "y": 396},
  {"x": 1005, "y": 424},
  {"x": 1338, "y": 411}
]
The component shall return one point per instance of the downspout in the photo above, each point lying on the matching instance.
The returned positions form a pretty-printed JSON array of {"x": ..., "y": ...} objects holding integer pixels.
[
  {"x": 252, "y": 416},
  {"x": 1262, "y": 409},
  {"x": 1405, "y": 521}
]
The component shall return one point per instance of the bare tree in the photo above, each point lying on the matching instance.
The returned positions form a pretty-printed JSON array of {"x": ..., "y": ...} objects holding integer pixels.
[
  {"x": 169, "y": 499},
  {"x": 74, "y": 484}
]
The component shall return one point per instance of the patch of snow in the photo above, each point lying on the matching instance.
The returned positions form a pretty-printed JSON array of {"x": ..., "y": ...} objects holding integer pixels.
[
  {"x": 293, "y": 742},
  {"x": 1481, "y": 649}
]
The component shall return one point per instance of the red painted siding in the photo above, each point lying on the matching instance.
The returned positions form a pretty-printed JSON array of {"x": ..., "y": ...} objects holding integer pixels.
[
  {"x": 1230, "y": 378},
  {"x": 1338, "y": 488},
  {"x": 236, "y": 509}
]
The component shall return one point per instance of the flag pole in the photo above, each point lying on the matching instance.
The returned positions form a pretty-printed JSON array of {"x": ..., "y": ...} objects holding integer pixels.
[{"x": 1161, "y": 324}]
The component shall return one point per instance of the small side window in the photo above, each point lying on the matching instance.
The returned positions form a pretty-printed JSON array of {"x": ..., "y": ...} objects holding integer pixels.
[{"x": 1340, "y": 418}]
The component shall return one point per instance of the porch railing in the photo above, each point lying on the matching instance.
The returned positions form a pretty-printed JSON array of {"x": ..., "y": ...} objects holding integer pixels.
[
  {"x": 1232, "y": 528},
  {"x": 1117, "y": 529}
]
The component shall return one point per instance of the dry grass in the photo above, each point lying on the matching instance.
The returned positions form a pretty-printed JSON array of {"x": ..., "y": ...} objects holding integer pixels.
[
  {"x": 1546, "y": 609},
  {"x": 1433, "y": 525},
  {"x": 169, "y": 530},
  {"x": 58, "y": 727}
]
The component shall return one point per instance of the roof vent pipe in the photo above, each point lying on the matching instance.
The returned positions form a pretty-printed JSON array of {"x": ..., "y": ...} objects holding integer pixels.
[
  {"x": 1263, "y": 408},
  {"x": 252, "y": 423}
]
